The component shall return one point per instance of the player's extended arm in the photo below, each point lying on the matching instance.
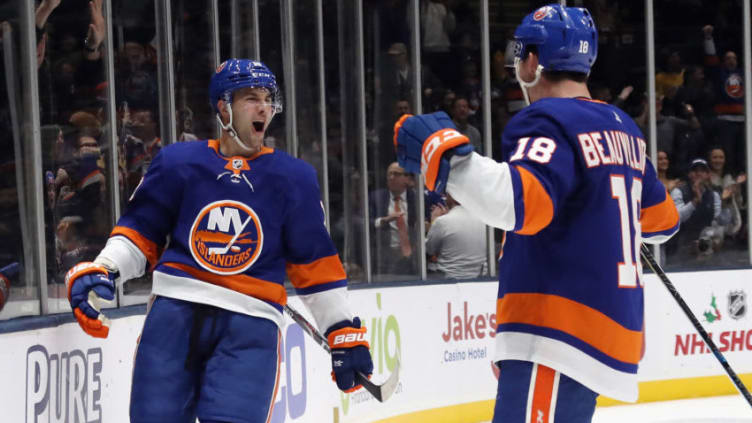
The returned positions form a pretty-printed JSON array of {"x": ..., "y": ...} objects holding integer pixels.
[
  {"x": 426, "y": 143},
  {"x": 429, "y": 144}
]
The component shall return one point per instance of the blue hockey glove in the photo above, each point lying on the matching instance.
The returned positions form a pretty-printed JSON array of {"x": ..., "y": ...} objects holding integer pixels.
[
  {"x": 425, "y": 143},
  {"x": 350, "y": 354},
  {"x": 90, "y": 286}
]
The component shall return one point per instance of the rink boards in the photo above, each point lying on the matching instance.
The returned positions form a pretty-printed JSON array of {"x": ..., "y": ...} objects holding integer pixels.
[{"x": 443, "y": 335}]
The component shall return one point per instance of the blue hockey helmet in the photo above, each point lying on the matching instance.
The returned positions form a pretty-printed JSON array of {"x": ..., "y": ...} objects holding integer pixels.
[
  {"x": 234, "y": 74},
  {"x": 566, "y": 38}
]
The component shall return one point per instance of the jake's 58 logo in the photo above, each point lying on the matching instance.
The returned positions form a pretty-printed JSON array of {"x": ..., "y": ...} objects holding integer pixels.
[{"x": 226, "y": 237}]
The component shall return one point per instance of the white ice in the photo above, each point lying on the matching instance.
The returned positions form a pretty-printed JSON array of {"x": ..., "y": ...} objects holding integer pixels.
[{"x": 725, "y": 409}]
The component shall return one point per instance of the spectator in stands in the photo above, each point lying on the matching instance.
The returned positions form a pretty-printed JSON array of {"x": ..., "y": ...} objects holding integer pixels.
[
  {"x": 395, "y": 81},
  {"x": 668, "y": 81},
  {"x": 698, "y": 205},
  {"x": 729, "y": 188},
  {"x": 185, "y": 124},
  {"x": 447, "y": 100},
  {"x": 384, "y": 151},
  {"x": 460, "y": 112},
  {"x": 679, "y": 138},
  {"x": 728, "y": 87},
  {"x": 603, "y": 93},
  {"x": 82, "y": 223},
  {"x": 393, "y": 212},
  {"x": 457, "y": 240},
  {"x": 437, "y": 24},
  {"x": 696, "y": 92},
  {"x": 472, "y": 89},
  {"x": 663, "y": 169}
]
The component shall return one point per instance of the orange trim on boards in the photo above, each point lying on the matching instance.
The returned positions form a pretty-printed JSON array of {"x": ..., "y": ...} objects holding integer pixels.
[
  {"x": 539, "y": 208},
  {"x": 324, "y": 270},
  {"x": 248, "y": 285},
  {"x": 573, "y": 318}
]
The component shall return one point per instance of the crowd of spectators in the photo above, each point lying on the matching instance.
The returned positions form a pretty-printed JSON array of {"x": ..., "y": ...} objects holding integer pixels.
[{"x": 699, "y": 114}]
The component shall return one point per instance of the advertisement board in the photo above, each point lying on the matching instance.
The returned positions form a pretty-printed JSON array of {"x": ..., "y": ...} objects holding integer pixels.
[{"x": 442, "y": 336}]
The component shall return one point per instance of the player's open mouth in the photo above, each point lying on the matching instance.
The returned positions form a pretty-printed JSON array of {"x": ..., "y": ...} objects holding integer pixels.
[{"x": 258, "y": 126}]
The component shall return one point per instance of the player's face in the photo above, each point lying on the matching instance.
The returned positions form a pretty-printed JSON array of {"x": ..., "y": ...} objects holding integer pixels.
[{"x": 251, "y": 114}]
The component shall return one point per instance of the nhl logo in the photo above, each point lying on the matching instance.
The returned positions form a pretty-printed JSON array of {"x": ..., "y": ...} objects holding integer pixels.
[
  {"x": 237, "y": 163},
  {"x": 737, "y": 304}
]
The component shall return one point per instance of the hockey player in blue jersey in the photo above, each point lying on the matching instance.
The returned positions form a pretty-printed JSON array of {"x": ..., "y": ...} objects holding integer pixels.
[
  {"x": 222, "y": 222},
  {"x": 576, "y": 195}
]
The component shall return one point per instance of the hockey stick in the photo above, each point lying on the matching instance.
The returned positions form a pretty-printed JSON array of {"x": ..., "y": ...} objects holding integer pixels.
[
  {"x": 380, "y": 392},
  {"x": 648, "y": 256},
  {"x": 223, "y": 250}
]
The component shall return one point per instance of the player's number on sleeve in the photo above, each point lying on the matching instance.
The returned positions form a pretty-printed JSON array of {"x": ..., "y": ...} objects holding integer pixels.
[
  {"x": 541, "y": 149},
  {"x": 629, "y": 206}
]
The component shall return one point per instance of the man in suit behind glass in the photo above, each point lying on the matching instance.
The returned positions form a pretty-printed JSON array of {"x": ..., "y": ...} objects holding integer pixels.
[{"x": 392, "y": 212}]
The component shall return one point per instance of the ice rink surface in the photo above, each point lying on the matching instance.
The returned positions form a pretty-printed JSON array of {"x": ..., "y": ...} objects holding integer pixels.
[{"x": 726, "y": 409}]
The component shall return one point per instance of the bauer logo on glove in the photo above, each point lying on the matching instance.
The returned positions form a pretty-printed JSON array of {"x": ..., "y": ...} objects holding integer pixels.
[
  {"x": 350, "y": 353},
  {"x": 425, "y": 143}
]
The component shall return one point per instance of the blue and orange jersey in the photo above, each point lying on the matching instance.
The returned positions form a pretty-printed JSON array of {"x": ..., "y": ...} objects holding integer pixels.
[
  {"x": 570, "y": 279},
  {"x": 227, "y": 230}
]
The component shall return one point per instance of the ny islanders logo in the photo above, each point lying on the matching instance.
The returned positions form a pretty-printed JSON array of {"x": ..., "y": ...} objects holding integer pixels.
[
  {"x": 226, "y": 237},
  {"x": 542, "y": 13},
  {"x": 734, "y": 86}
]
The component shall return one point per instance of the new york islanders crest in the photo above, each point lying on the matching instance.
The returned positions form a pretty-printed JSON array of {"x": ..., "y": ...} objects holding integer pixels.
[{"x": 226, "y": 237}]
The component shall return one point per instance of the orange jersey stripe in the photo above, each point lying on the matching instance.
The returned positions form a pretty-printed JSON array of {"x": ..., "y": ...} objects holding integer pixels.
[
  {"x": 323, "y": 270},
  {"x": 539, "y": 209},
  {"x": 729, "y": 109},
  {"x": 248, "y": 285},
  {"x": 660, "y": 217},
  {"x": 582, "y": 322},
  {"x": 150, "y": 249},
  {"x": 543, "y": 387}
]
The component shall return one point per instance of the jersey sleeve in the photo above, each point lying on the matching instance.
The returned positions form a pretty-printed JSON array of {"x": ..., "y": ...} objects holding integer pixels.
[
  {"x": 152, "y": 209},
  {"x": 313, "y": 265},
  {"x": 523, "y": 193},
  {"x": 659, "y": 217},
  {"x": 543, "y": 170}
]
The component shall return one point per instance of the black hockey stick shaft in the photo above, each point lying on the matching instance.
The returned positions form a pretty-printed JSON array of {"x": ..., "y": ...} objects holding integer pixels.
[
  {"x": 380, "y": 392},
  {"x": 648, "y": 256}
]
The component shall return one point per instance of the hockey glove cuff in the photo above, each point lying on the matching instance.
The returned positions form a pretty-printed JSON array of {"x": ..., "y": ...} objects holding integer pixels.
[
  {"x": 350, "y": 354},
  {"x": 90, "y": 287},
  {"x": 425, "y": 143}
]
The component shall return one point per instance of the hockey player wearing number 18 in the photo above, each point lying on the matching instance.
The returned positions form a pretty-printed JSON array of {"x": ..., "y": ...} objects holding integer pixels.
[
  {"x": 238, "y": 216},
  {"x": 576, "y": 195}
]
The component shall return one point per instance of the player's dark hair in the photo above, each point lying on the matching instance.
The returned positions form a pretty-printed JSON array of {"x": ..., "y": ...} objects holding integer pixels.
[{"x": 557, "y": 76}]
